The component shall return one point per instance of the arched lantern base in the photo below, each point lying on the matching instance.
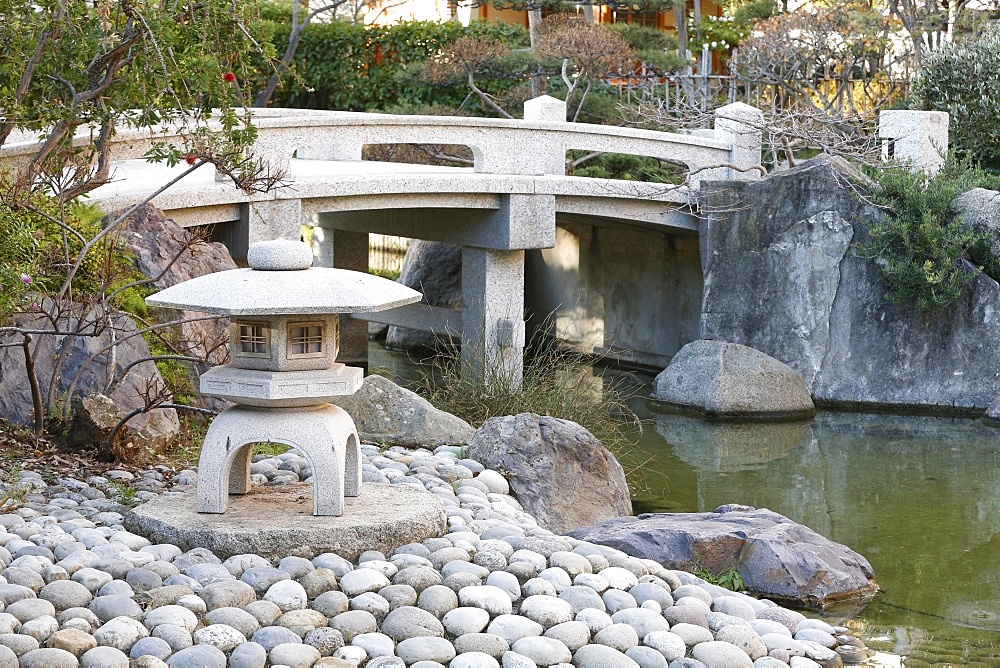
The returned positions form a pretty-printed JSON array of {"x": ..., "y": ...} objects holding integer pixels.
[{"x": 325, "y": 434}]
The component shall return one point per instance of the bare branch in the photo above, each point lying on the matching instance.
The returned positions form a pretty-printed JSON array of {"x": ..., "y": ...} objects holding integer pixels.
[
  {"x": 55, "y": 221},
  {"x": 728, "y": 165},
  {"x": 486, "y": 98},
  {"x": 29, "y": 68},
  {"x": 36, "y": 393},
  {"x": 586, "y": 158}
]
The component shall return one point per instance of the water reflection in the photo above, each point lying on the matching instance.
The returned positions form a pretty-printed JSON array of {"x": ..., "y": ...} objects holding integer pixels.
[
  {"x": 727, "y": 446},
  {"x": 918, "y": 496}
]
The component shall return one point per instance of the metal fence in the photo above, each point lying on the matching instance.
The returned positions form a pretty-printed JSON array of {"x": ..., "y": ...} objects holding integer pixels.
[
  {"x": 687, "y": 92},
  {"x": 704, "y": 88}
]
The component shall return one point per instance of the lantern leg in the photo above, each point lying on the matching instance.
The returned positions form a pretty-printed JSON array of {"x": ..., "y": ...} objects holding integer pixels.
[
  {"x": 239, "y": 473},
  {"x": 324, "y": 434}
]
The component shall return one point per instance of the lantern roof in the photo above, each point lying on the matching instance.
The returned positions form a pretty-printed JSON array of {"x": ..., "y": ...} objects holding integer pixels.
[{"x": 280, "y": 282}]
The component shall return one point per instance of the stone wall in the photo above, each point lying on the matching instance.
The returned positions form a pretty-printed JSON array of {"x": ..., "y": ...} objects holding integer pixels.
[{"x": 781, "y": 276}]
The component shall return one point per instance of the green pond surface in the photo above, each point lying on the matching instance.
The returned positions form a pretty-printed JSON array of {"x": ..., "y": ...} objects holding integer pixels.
[{"x": 919, "y": 497}]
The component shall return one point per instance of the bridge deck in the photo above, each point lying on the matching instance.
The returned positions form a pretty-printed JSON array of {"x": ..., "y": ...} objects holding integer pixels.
[{"x": 325, "y": 186}]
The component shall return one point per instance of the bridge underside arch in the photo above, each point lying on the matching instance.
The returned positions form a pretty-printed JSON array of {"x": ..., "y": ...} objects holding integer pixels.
[
  {"x": 628, "y": 292},
  {"x": 618, "y": 284}
]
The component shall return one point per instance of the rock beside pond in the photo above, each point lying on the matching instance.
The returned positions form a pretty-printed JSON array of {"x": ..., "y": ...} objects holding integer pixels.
[
  {"x": 391, "y": 415},
  {"x": 993, "y": 411},
  {"x": 775, "y": 556},
  {"x": 780, "y": 276},
  {"x": 559, "y": 472},
  {"x": 979, "y": 210},
  {"x": 434, "y": 268},
  {"x": 728, "y": 380}
]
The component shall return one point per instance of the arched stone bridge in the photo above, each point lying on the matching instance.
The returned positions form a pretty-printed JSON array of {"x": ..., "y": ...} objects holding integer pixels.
[{"x": 516, "y": 198}]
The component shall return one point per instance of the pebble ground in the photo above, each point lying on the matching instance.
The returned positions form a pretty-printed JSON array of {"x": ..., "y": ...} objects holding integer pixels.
[{"x": 76, "y": 589}]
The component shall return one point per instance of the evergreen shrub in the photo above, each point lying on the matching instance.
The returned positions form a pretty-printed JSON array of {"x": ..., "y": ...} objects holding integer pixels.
[
  {"x": 922, "y": 249},
  {"x": 964, "y": 80}
]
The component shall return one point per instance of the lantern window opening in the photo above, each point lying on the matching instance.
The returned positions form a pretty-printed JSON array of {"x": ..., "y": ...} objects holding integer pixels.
[
  {"x": 254, "y": 339},
  {"x": 305, "y": 339}
]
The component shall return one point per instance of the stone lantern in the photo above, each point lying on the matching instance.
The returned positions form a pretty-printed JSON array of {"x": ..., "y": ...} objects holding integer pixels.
[{"x": 283, "y": 371}]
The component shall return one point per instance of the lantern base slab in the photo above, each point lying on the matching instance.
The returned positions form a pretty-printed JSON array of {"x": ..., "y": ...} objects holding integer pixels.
[{"x": 276, "y": 522}]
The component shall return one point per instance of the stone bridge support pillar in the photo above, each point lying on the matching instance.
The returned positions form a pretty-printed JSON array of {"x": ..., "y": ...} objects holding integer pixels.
[
  {"x": 266, "y": 220},
  {"x": 493, "y": 316},
  {"x": 345, "y": 249}
]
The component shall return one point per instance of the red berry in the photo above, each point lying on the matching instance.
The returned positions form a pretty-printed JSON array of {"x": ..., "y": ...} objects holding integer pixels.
[
  {"x": 190, "y": 158},
  {"x": 229, "y": 77}
]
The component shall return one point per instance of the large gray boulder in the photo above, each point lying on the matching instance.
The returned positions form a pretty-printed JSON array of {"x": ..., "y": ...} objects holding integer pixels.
[
  {"x": 776, "y": 557},
  {"x": 168, "y": 254},
  {"x": 392, "y": 415},
  {"x": 559, "y": 472},
  {"x": 993, "y": 411},
  {"x": 780, "y": 277},
  {"x": 979, "y": 209},
  {"x": 434, "y": 269},
  {"x": 103, "y": 359},
  {"x": 729, "y": 381}
]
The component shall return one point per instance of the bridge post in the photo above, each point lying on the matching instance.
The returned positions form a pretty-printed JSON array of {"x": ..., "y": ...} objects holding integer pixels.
[
  {"x": 741, "y": 126},
  {"x": 545, "y": 108},
  {"x": 493, "y": 316}
]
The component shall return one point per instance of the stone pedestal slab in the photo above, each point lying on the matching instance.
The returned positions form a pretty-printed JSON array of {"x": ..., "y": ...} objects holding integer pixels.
[
  {"x": 275, "y": 522},
  {"x": 281, "y": 389},
  {"x": 916, "y": 138}
]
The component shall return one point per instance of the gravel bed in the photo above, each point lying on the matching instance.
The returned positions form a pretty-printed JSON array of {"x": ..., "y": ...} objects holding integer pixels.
[{"x": 76, "y": 589}]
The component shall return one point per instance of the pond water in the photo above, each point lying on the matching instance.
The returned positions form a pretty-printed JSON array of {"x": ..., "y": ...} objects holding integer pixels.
[{"x": 919, "y": 497}]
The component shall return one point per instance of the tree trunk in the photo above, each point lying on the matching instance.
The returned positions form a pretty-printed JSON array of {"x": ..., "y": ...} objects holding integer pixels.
[
  {"x": 535, "y": 33},
  {"x": 36, "y": 391},
  {"x": 263, "y": 98},
  {"x": 907, "y": 15},
  {"x": 953, "y": 7},
  {"x": 680, "y": 20}
]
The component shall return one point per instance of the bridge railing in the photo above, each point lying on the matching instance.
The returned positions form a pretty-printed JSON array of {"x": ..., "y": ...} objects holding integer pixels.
[{"x": 534, "y": 146}]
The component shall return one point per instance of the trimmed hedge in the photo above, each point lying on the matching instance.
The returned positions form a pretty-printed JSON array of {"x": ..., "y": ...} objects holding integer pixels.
[{"x": 352, "y": 67}]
